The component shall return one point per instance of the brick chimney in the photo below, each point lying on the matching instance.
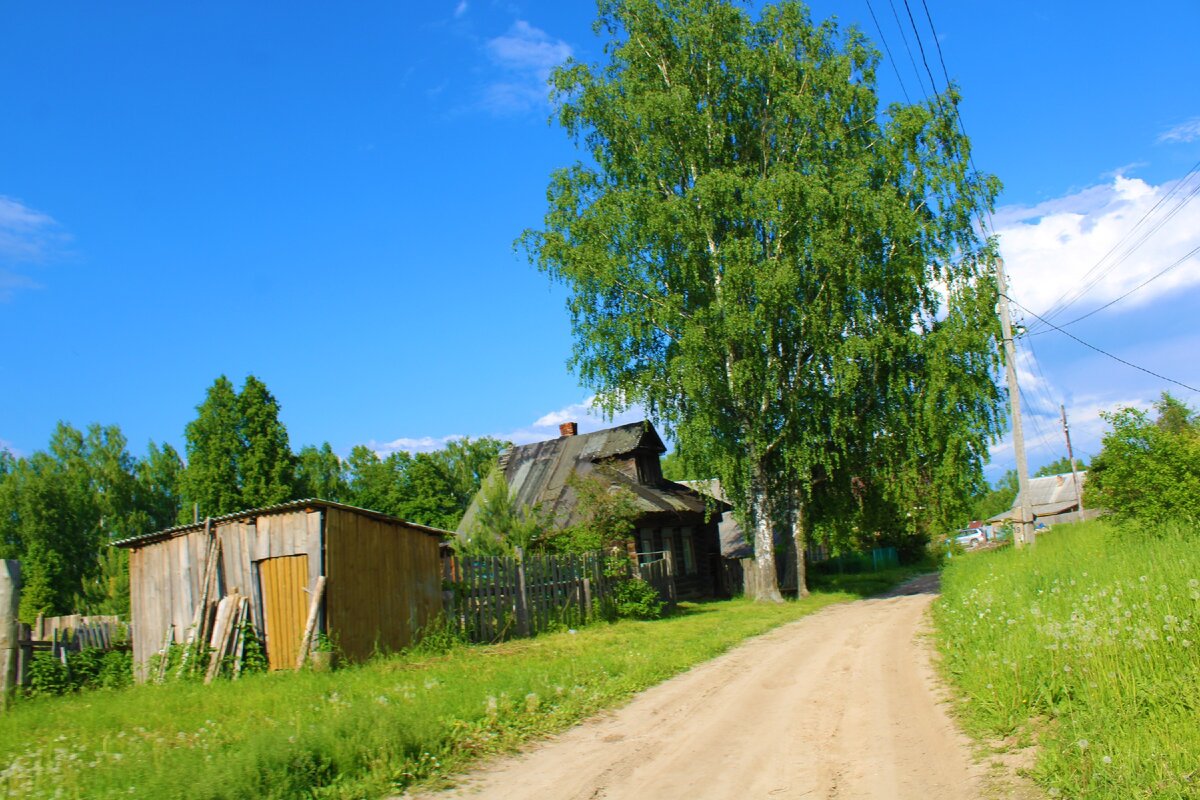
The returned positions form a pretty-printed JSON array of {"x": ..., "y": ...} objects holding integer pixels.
[{"x": 568, "y": 429}]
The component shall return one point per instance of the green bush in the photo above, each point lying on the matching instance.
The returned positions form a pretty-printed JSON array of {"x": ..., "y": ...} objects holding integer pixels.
[
  {"x": 90, "y": 668},
  {"x": 47, "y": 676},
  {"x": 636, "y": 599}
]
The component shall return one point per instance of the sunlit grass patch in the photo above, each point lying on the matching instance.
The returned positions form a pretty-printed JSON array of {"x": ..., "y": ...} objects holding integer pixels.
[
  {"x": 360, "y": 732},
  {"x": 1090, "y": 642}
]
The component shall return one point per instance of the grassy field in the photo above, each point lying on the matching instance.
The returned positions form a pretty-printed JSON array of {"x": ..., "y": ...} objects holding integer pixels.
[
  {"x": 367, "y": 731},
  {"x": 1090, "y": 646}
]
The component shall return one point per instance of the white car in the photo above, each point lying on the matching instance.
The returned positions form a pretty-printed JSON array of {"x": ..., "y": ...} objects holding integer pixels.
[{"x": 970, "y": 540}]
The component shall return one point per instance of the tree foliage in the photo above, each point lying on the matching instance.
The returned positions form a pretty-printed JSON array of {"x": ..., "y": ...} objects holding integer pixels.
[
  {"x": 999, "y": 497},
  {"x": 59, "y": 510},
  {"x": 604, "y": 515},
  {"x": 501, "y": 523},
  {"x": 787, "y": 278},
  {"x": 429, "y": 488},
  {"x": 211, "y": 484},
  {"x": 1148, "y": 470},
  {"x": 266, "y": 466},
  {"x": 320, "y": 473},
  {"x": 1060, "y": 466}
]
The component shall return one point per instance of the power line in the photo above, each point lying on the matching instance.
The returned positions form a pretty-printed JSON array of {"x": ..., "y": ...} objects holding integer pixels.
[
  {"x": 941, "y": 58},
  {"x": 904, "y": 38},
  {"x": 1058, "y": 306},
  {"x": 1154, "y": 277},
  {"x": 891, "y": 59},
  {"x": 1103, "y": 352},
  {"x": 921, "y": 46}
]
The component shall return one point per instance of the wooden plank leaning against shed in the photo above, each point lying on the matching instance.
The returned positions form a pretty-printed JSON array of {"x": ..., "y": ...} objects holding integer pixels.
[
  {"x": 310, "y": 624},
  {"x": 200, "y": 616}
]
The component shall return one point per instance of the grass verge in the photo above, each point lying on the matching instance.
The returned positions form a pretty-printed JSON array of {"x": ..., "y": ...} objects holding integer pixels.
[
  {"x": 367, "y": 731},
  {"x": 1087, "y": 645}
]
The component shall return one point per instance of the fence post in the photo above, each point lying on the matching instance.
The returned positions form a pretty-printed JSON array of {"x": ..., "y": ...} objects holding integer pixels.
[
  {"x": 522, "y": 597},
  {"x": 10, "y": 599}
]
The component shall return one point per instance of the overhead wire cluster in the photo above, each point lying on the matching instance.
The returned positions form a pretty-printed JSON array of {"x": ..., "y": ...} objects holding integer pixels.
[
  {"x": 1045, "y": 405},
  {"x": 1150, "y": 223}
]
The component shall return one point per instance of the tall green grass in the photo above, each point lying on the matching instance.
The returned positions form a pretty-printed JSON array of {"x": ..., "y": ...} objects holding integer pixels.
[
  {"x": 360, "y": 732},
  {"x": 1089, "y": 644}
]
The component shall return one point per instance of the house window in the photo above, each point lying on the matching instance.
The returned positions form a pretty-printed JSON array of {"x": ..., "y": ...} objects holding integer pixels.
[
  {"x": 645, "y": 545},
  {"x": 689, "y": 553},
  {"x": 668, "y": 543}
]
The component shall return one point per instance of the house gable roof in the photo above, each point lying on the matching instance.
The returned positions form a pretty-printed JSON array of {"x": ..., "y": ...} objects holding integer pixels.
[{"x": 539, "y": 473}]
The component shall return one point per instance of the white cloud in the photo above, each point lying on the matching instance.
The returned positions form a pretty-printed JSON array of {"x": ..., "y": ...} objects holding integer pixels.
[
  {"x": 7, "y": 445},
  {"x": 460, "y": 9},
  {"x": 1050, "y": 248},
  {"x": 422, "y": 444},
  {"x": 27, "y": 236},
  {"x": 525, "y": 55},
  {"x": 1183, "y": 132},
  {"x": 589, "y": 417}
]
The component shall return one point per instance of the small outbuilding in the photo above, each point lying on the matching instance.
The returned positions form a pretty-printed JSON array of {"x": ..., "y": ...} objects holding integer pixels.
[
  {"x": 1054, "y": 499},
  {"x": 382, "y": 578}
]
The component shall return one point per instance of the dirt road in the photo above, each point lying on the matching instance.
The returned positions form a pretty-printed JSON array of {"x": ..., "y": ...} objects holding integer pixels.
[{"x": 841, "y": 704}]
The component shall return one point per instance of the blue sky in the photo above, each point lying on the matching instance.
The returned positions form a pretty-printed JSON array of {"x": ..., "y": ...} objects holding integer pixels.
[{"x": 327, "y": 198}]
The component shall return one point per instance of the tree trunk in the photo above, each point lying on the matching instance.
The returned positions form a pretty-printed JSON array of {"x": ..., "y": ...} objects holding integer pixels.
[
  {"x": 800, "y": 542},
  {"x": 767, "y": 585}
]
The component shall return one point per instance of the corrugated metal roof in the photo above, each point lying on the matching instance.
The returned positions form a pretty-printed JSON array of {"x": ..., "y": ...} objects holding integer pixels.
[
  {"x": 291, "y": 505},
  {"x": 1052, "y": 494},
  {"x": 538, "y": 473}
]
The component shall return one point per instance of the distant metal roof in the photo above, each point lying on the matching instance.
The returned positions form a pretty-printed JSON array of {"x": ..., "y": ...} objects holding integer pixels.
[
  {"x": 291, "y": 505},
  {"x": 1051, "y": 494},
  {"x": 538, "y": 473}
]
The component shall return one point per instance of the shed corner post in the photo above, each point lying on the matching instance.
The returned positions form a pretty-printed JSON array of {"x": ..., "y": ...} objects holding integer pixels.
[
  {"x": 323, "y": 572},
  {"x": 10, "y": 600}
]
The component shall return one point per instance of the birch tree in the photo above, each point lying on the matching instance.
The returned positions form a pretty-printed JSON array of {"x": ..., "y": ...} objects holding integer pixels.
[{"x": 759, "y": 254}]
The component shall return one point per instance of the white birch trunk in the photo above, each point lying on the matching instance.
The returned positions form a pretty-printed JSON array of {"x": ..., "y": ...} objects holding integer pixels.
[
  {"x": 800, "y": 541},
  {"x": 767, "y": 585}
]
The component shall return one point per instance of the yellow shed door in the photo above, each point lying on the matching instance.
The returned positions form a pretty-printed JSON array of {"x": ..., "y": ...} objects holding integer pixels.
[{"x": 285, "y": 607}]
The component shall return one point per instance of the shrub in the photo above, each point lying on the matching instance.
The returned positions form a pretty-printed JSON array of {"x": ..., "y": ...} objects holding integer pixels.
[
  {"x": 636, "y": 599},
  {"x": 90, "y": 668}
]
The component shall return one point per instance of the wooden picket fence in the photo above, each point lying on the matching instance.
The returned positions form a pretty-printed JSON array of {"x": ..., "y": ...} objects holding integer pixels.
[{"x": 493, "y": 598}]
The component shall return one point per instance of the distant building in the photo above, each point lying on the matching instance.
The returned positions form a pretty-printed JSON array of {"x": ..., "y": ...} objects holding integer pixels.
[
  {"x": 674, "y": 518},
  {"x": 1054, "y": 499}
]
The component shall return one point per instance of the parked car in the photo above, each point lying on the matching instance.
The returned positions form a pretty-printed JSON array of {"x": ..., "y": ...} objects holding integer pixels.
[{"x": 970, "y": 539}]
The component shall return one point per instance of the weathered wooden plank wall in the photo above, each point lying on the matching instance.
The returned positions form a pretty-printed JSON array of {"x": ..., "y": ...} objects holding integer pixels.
[{"x": 384, "y": 583}]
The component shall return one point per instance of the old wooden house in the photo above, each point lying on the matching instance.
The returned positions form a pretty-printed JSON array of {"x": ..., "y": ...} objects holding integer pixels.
[
  {"x": 382, "y": 578},
  {"x": 674, "y": 518}
]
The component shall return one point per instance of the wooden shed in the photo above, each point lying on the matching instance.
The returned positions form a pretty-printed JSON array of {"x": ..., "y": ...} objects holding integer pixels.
[{"x": 382, "y": 578}]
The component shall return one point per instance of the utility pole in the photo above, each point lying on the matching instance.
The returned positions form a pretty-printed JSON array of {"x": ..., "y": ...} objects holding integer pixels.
[
  {"x": 1024, "y": 528},
  {"x": 1071, "y": 455}
]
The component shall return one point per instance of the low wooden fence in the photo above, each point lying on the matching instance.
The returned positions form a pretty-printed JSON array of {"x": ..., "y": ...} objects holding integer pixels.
[
  {"x": 490, "y": 599},
  {"x": 62, "y": 636}
]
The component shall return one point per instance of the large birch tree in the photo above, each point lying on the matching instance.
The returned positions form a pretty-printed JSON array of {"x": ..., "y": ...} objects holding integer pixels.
[{"x": 785, "y": 275}]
